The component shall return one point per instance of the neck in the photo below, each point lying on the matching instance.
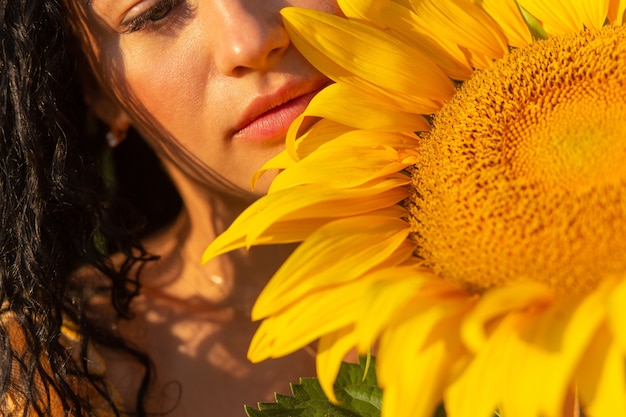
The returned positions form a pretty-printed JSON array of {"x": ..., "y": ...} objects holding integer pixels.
[{"x": 231, "y": 280}]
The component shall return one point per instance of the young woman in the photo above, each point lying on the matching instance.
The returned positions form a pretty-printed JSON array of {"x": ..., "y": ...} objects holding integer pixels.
[{"x": 99, "y": 317}]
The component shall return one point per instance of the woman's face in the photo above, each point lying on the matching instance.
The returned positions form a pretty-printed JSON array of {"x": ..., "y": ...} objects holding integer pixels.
[{"x": 211, "y": 84}]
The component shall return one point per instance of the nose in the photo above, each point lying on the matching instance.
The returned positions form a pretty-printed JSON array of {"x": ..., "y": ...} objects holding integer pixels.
[{"x": 250, "y": 36}]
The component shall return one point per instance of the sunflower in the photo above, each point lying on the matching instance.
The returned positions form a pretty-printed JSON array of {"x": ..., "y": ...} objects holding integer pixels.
[{"x": 461, "y": 206}]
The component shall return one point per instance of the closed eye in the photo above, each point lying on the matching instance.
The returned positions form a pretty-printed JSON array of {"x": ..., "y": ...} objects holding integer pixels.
[{"x": 155, "y": 17}]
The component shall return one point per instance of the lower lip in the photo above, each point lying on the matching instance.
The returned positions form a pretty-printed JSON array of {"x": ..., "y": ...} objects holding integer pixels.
[{"x": 275, "y": 123}]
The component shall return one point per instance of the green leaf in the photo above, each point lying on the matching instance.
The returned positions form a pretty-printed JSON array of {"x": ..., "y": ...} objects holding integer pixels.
[{"x": 355, "y": 387}]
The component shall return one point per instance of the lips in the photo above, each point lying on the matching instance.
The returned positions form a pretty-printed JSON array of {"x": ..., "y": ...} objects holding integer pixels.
[{"x": 268, "y": 116}]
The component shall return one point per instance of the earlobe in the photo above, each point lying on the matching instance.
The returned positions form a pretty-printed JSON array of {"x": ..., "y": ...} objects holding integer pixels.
[
  {"x": 110, "y": 113},
  {"x": 118, "y": 129}
]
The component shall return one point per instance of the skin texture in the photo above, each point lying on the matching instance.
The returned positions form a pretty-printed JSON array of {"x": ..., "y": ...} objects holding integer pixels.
[{"x": 190, "y": 82}]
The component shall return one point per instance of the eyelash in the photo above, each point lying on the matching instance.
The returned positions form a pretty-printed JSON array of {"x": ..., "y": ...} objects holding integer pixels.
[{"x": 154, "y": 14}]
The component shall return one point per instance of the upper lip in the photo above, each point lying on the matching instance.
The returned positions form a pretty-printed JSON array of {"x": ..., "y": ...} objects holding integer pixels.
[{"x": 267, "y": 102}]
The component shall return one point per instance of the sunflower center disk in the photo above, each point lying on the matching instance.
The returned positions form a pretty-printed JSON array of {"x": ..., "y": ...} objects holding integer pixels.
[
  {"x": 575, "y": 140},
  {"x": 523, "y": 176}
]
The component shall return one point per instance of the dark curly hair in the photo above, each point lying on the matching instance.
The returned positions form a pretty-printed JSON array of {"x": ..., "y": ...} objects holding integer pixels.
[{"x": 57, "y": 214}]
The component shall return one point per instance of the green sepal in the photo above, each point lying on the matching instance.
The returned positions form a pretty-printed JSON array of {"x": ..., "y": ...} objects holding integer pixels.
[{"x": 536, "y": 28}]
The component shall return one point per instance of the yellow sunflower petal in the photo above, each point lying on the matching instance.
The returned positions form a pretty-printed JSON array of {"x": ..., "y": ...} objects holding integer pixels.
[
  {"x": 478, "y": 390},
  {"x": 617, "y": 315},
  {"x": 417, "y": 354},
  {"x": 364, "y": 159},
  {"x": 523, "y": 347},
  {"x": 279, "y": 162},
  {"x": 363, "y": 109},
  {"x": 552, "y": 345},
  {"x": 464, "y": 24},
  {"x": 364, "y": 10},
  {"x": 353, "y": 177},
  {"x": 299, "y": 146},
  {"x": 320, "y": 261},
  {"x": 403, "y": 3},
  {"x": 312, "y": 201},
  {"x": 331, "y": 351},
  {"x": 315, "y": 314},
  {"x": 498, "y": 302},
  {"x": 594, "y": 13},
  {"x": 399, "y": 283},
  {"x": 367, "y": 52},
  {"x": 566, "y": 16},
  {"x": 286, "y": 231},
  {"x": 258, "y": 221},
  {"x": 401, "y": 21},
  {"x": 601, "y": 378},
  {"x": 617, "y": 11},
  {"x": 507, "y": 14}
]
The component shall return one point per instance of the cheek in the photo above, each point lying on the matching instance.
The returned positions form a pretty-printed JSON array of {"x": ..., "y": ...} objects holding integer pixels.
[
  {"x": 172, "y": 98},
  {"x": 168, "y": 90},
  {"x": 168, "y": 78}
]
